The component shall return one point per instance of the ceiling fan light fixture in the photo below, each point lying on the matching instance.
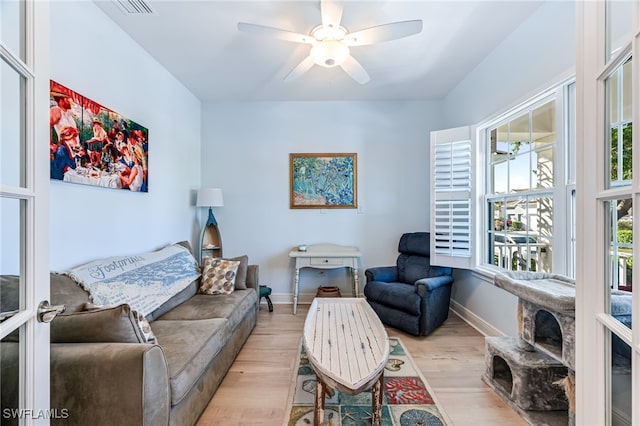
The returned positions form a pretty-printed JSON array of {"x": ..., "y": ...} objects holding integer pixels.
[
  {"x": 328, "y": 32},
  {"x": 329, "y": 53}
]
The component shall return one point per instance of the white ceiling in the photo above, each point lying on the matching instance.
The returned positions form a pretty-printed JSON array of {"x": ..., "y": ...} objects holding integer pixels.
[{"x": 199, "y": 43}]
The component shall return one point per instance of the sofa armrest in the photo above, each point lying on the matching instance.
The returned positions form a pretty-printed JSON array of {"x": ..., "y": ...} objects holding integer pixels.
[
  {"x": 253, "y": 278},
  {"x": 425, "y": 285},
  {"x": 110, "y": 383},
  {"x": 382, "y": 273}
]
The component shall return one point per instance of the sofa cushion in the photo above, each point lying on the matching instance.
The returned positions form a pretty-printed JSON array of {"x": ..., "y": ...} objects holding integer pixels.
[
  {"x": 218, "y": 275},
  {"x": 117, "y": 324},
  {"x": 233, "y": 307},
  {"x": 183, "y": 296},
  {"x": 189, "y": 347}
]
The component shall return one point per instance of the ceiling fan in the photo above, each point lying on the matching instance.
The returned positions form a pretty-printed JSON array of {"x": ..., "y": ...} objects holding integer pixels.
[{"x": 330, "y": 41}]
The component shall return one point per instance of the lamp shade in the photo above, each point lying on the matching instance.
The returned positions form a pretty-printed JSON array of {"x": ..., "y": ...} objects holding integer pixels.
[{"x": 210, "y": 197}]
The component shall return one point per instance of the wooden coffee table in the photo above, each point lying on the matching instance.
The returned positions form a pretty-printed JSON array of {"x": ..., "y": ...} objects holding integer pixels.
[{"x": 348, "y": 348}]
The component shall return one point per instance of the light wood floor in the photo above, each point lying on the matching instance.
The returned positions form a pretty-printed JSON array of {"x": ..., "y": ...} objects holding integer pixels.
[{"x": 255, "y": 391}]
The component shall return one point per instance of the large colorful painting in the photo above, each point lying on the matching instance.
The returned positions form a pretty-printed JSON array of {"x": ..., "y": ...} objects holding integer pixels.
[
  {"x": 321, "y": 181},
  {"x": 93, "y": 145}
]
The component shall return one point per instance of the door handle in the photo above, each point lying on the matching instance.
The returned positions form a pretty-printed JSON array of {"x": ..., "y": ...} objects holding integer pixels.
[{"x": 47, "y": 312}]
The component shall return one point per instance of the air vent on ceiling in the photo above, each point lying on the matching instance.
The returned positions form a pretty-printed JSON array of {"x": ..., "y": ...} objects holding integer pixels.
[{"x": 134, "y": 7}]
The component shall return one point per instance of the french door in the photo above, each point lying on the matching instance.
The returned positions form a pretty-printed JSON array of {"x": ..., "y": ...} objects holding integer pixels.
[
  {"x": 608, "y": 184},
  {"x": 24, "y": 212}
]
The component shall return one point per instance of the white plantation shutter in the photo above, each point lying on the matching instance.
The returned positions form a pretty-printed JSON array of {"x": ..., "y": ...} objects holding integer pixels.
[{"x": 451, "y": 197}]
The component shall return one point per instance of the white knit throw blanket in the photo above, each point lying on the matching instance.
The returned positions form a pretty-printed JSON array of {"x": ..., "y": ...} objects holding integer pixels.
[{"x": 144, "y": 281}]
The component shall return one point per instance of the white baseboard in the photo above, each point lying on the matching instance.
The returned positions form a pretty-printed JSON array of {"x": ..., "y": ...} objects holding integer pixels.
[{"x": 473, "y": 320}]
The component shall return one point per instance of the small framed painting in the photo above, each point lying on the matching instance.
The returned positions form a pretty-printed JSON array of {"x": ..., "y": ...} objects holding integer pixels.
[{"x": 323, "y": 181}]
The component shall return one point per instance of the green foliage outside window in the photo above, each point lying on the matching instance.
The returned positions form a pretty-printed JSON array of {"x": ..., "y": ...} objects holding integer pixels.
[
  {"x": 627, "y": 131},
  {"x": 625, "y": 236}
]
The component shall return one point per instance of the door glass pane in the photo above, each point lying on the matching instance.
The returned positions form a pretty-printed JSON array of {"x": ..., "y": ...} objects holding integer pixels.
[
  {"x": 12, "y": 123},
  {"x": 613, "y": 98},
  {"x": 620, "y": 374},
  {"x": 618, "y": 91},
  {"x": 620, "y": 234},
  {"x": 11, "y": 377},
  {"x": 625, "y": 104},
  {"x": 11, "y": 250},
  {"x": 619, "y": 15},
  {"x": 12, "y": 31}
]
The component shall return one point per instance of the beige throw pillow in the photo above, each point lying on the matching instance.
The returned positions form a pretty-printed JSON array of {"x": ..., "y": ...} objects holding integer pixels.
[{"x": 218, "y": 276}]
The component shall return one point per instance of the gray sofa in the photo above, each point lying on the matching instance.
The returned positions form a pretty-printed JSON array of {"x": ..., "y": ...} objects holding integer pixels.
[{"x": 168, "y": 383}]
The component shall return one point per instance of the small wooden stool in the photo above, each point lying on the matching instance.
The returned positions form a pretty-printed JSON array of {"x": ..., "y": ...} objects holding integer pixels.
[{"x": 265, "y": 292}]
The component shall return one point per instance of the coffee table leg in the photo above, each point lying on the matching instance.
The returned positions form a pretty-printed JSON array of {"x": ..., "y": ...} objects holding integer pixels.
[
  {"x": 376, "y": 402},
  {"x": 318, "y": 408}
]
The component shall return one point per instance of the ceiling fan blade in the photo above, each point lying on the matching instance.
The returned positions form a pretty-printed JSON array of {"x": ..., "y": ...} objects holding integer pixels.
[
  {"x": 331, "y": 11},
  {"x": 385, "y": 32},
  {"x": 300, "y": 69},
  {"x": 275, "y": 32},
  {"x": 355, "y": 70}
]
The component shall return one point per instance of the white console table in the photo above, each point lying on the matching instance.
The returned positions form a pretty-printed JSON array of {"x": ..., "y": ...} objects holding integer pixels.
[{"x": 325, "y": 256}]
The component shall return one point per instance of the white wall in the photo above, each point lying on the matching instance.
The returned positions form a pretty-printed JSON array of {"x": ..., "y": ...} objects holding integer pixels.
[
  {"x": 93, "y": 56},
  {"x": 538, "y": 54},
  {"x": 246, "y": 147}
]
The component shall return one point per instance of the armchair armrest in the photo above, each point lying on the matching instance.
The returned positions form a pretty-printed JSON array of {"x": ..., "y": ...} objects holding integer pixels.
[
  {"x": 382, "y": 273},
  {"x": 110, "y": 383},
  {"x": 425, "y": 285}
]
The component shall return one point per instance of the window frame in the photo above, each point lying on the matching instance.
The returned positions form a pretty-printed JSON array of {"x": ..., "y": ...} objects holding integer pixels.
[{"x": 564, "y": 183}]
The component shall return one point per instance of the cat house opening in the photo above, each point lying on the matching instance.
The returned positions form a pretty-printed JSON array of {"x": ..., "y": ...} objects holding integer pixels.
[
  {"x": 547, "y": 332},
  {"x": 502, "y": 374}
]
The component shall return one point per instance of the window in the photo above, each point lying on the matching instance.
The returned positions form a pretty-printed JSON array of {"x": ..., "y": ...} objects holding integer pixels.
[
  {"x": 525, "y": 192},
  {"x": 525, "y": 207}
]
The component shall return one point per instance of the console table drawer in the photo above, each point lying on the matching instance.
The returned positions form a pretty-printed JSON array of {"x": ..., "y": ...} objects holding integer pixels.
[{"x": 326, "y": 261}]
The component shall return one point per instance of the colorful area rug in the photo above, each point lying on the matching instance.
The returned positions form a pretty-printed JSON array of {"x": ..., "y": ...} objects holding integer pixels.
[{"x": 407, "y": 400}]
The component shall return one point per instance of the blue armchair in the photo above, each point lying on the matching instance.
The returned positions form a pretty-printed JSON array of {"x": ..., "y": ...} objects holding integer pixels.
[{"x": 412, "y": 296}]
